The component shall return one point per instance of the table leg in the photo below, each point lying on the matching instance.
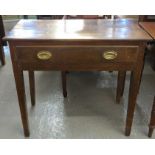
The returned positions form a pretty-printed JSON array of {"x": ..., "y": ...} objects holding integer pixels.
[
  {"x": 133, "y": 92},
  {"x": 142, "y": 71},
  {"x": 32, "y": 87},
  {"x": 120, "y": 85},
  {"x": 135, "y": 79},
  {"x": 2, "y": 56},
  {"x": 152, "y": 120},
  {"x": 63, "y": 76},
  {"x": 19, "y": 79}
]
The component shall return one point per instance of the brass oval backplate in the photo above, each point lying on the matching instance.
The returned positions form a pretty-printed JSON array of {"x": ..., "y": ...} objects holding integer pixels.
[
  {"x": 44, "y": 55},
  {"x": 109, "y": 55}
]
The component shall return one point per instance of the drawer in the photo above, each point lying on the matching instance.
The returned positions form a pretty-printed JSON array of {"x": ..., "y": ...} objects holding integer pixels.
[{"x": 76, "y": 54}]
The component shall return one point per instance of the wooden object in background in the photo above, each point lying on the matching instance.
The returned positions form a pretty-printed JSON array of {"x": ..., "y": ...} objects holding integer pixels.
[
  {"x": 2, "y": 34},
  {"x": 87, "y": 16},
  {"x": 50, "y": 16},
  {"x": 148, "y": 23},
  {"x": 152, "y": 120},
  {"x": 2, "y": 56},
  {"x": 147, "y": 18},
  {"x": 2, "y": 30}
]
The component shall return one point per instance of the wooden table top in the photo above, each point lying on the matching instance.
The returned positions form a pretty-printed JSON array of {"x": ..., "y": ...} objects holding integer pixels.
[
  {"x": 99, "y": 29},
  {"x": 149, "y": 27}
]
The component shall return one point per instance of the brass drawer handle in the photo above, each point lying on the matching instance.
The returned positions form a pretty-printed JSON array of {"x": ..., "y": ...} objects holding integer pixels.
[
  {"x": 109, "y": 55},
  {"x": 44, "y": 55}
]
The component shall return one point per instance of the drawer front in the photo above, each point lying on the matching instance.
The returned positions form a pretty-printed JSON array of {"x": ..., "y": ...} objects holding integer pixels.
[{"x": 76, "y": 54}]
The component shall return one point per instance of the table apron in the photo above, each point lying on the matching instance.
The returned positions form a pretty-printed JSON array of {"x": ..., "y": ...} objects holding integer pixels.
[{"x": 79, "y": 67}]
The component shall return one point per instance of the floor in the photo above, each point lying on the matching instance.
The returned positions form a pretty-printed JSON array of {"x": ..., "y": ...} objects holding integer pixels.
[{"x": 90, "y": 111}]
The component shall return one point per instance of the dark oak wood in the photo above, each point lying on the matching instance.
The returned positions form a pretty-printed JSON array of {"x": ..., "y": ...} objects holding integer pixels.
[
  {"x": 76, "y": 54},
  {"x": 2, "y": 56},
  {"x": 32, "y": 87},
  {"x": 19, "y": 80},
  {"x": 134, "y": 89},
  {"x": 63, "y": 77},
  {"x": 78, "y": 30},
  {"x": 120, "y": 85},
  {"x": 152, "y": 120},
  {"x": 78, "y": 45},
  {"x": 2, "y": 34}
]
